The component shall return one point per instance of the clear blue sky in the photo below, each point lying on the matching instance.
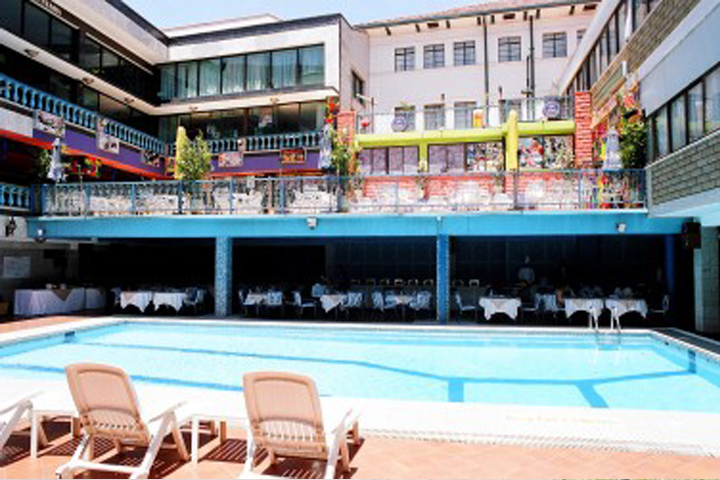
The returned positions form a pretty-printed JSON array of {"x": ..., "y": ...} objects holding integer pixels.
[{"x": 169, "y": 13}]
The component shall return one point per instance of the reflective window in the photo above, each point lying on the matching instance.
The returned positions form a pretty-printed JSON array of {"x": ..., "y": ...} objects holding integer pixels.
[
  {"x": 209, "y": 77},
  {"x": 312, "y": 116},
  {"x": 88, "y": 98},
  {"x": 434, "y": 117},
  {"x": 37, "y": 25},
  {"x": 90, "y": 55},
  {"x": 660, "y": 126},
  {"x": 258, "y": 72},
  {"x": 695, "y": 112},
  {"x": 434, "y": 56},
  {"x": 312, "y": 66},
  {"x": 678, "y": 123},
  {"x": 404, "y": 59},
  {"x": 464, "y": 53},
  {"x": 261, "y": 121},
  {"x": 712, "y": 101},
  {"x": 288, "y": 118},
  {"x": 509, "y": 49},
  {"x": 187, "y": 78},
  {"x": 11, "y": 15},
  {"x": 555, "y": 45},
  {"x": 62, "y": 39},
  {"x": 168, "y": 80},
  {"x": 233, "y": 75},
  {"x": 284, "y": 68},
  {"x": 464, "y": 115}
]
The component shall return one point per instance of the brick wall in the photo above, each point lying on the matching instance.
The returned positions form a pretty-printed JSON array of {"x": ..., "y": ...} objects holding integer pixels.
[
  {"x": 661, "y": 22},
  {"x": 694, "y": 169},
  {"x": 583, "y": 129}
]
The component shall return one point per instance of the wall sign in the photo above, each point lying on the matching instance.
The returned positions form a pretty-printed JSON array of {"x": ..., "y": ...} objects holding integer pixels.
[
  {"x": 294, "y": 156},
  {"x": 551, "y": 109},
  {"x": 106, "y": 143},
  {"x": 49, "y": 123},
  {"x": 234, "y": 159}
]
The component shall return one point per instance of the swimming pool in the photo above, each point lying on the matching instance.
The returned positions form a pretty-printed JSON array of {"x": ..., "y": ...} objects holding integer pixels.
[{"x": 635, "y": 371}]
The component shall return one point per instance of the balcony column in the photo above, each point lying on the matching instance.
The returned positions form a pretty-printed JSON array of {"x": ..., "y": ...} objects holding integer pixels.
[
  {"x": 223, "y": 276},
  {"x": 707, "y": 282},
  {"x": 442, "y": 281}
]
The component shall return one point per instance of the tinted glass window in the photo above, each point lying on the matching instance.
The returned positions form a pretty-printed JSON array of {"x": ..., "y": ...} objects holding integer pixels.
[
  {"x": 168, "y": 80},
  {"x": 312, "y": 66},
  {"x": 187, "y": 77},
  {"x": 695, "y": 113},
  {"x": 258, "y": 71},
  {"x": 37, "y": 25},
  {"x": 661, "y": 133},
  {"x": 209, "y": 77},
  {"x": 712, "y": 101},
  {"x": 678, "y": 124},
  {"x": 61, "y": 40},
  {"x": 284, "y": 68},
  {"x": 90, "y": 55},
  {"x": 288, "y": 118},
  {"x": 233, "y": 75},
  {"x": 312, "y": 116},
  {"x": 10, "y": 15}
]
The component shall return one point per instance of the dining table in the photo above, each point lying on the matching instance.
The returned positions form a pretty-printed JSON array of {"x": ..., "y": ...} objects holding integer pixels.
[
  {"x": 331, "y": 301},
  {"x": 139, "y": 299},
  {"x": 494, "y": 305},
  {"x": 592, "y": 306},
  {"x": 49, "y": 301}
]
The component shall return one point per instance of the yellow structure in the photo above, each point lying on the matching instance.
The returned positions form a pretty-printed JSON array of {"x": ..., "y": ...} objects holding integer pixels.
[{"x": 510, "y": 133}]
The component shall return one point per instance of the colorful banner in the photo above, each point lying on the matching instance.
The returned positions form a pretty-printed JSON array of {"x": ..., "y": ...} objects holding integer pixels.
[{"x": 294, "y": 156}]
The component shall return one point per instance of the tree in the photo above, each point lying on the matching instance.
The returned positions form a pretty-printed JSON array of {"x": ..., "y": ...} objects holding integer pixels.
[{"x": 193, "y": 160}]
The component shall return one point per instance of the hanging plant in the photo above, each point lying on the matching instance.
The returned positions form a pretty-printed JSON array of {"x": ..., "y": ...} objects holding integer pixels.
[{"x": 633, "y": 133}]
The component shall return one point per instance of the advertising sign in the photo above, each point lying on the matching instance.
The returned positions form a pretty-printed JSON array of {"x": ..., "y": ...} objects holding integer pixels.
[
  {"x": 294, "y": 156},
  {"x": 106, "y": 143},
  {"x": 49, "y": 123}
]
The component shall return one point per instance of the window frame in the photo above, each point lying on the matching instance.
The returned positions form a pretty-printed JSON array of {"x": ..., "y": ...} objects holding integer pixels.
[
  {"x": 405, "y": 59},
  {"x": 552, "y": 39},
  {"x": 461, "y": 51},
  {"x": 434, "y": 56},
  {"x": 506, "y": 49}
]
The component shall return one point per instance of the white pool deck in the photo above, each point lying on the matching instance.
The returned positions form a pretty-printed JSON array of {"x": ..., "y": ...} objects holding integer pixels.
[{"x": 562, "y": 427}]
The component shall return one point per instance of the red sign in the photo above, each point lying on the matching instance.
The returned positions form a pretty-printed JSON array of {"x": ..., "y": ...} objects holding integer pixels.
[
  {"x": 294, "y": 156},
  {"x": 346, "y": 122}
]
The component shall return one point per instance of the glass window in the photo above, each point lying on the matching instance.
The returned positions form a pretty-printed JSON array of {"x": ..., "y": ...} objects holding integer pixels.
[
  {"x": 168, "y": 128},
  {"x": 404, "y": 119},
  {"x": 284, "y": 68},
  {"x": 661, "y": 133},
  {"x": 187, "y": 78},
  {"x": 88, "y": 98},
  {"x": 312, "y": 116},
  {"x": 209, "y": 77},
  {"x": 261, "y": 121},
  {"x": 61, "y": 39},
  {"x": 602, "y": 53},
  {"x": 404, "y": 59},
  {"x": 465, "y": 53},
  {"x": 37, "y": 25},
  {"x": 90, "y": 55},
  {"x": 464, "y": 115},
  {"x": 612, "y": 38},
  {"x": 555, "y": 45},
  {"x": 10, "y": 15},
  {"x": 712, "y": 101},
  {"x": 358, "y": 88},
  {"x": 509, "y": 49},
  {"x": 434, "y": 56},
  {"x": 288, "y": 118},
  {"x": 168, "y": 80},
  {"x": 233, "y": 75},
  {"x": 695, "y": 112},
  {"x": 434, "y": 117},
  {"x": 580, "y": 35},
  {"x": 60, "y": 86},
  {"x": 312, "y": 66},
  {"x": 110, "y": 63},
  {"x": 114, "y": 109},
  {"x": 678, "y": 123},
  {"x": 258, "y": 71}
]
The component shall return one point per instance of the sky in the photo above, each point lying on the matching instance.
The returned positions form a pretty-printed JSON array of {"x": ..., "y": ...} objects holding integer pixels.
[{"x": 170, "y": 13}]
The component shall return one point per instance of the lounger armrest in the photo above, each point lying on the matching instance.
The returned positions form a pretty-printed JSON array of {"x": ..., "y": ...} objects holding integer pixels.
[
  {"x": 341, "y": 426},
  {"x": 171, "y": 409},
  {"x": 14, "y": 406}
]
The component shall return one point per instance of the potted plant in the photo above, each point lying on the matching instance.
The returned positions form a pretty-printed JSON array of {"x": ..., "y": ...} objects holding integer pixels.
[{"x": 342, "y": 161}]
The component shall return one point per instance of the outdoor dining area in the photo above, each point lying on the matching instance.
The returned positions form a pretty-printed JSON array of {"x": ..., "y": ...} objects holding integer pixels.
[
  {"x": 153, "y": 300},
  {"x": 57, "y": 299}
]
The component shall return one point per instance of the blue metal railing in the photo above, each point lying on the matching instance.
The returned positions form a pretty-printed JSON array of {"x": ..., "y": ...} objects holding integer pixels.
[
  {"x": 14, "y": 198},
  {"x": 29, "y": 97},
  {"x": 263, "y": 143},
  {"x": 467, "y": 192}
]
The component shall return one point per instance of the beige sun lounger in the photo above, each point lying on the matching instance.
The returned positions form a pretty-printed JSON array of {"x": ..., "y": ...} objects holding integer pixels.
[
  {"x": 285, "y": 419},
  {"x": 108, "y": 408},
  {"x": 13, "y": 412}
]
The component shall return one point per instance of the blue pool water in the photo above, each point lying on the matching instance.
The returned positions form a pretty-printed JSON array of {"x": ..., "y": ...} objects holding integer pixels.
[{"x": 638, "y": 372}]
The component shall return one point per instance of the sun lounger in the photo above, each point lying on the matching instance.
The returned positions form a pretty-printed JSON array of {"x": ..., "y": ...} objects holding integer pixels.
[
  {"x": 108, "y": 408},
  {"x": 12, "y": 413},
  {"x": 285, "y": 418}
]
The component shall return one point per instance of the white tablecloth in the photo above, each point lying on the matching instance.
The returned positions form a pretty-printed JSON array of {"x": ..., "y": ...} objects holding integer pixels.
[
  {"x": 140, "y": 300},
  {"x": 254, "y": 299},
  {"x": 623, "y": 306},
  {"x": 508, "y": 306},
  {"x": 94, "y": 299},
  {"x": 593, "y": 306},
  {"x": 170, "y": 299},
  {"x": 332, "y": 301},
  {"x": 29, "y": 303}
]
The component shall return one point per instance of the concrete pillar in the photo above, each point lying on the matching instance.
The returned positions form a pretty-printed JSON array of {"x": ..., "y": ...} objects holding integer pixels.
[
  {"x": 443, "y": 278},
  {"x": 223, "y": 276},
  {"x": 707, "y": 283}
]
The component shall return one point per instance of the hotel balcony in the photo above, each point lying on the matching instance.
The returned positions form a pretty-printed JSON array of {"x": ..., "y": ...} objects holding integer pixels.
[{"x": 572, "y": 190}]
